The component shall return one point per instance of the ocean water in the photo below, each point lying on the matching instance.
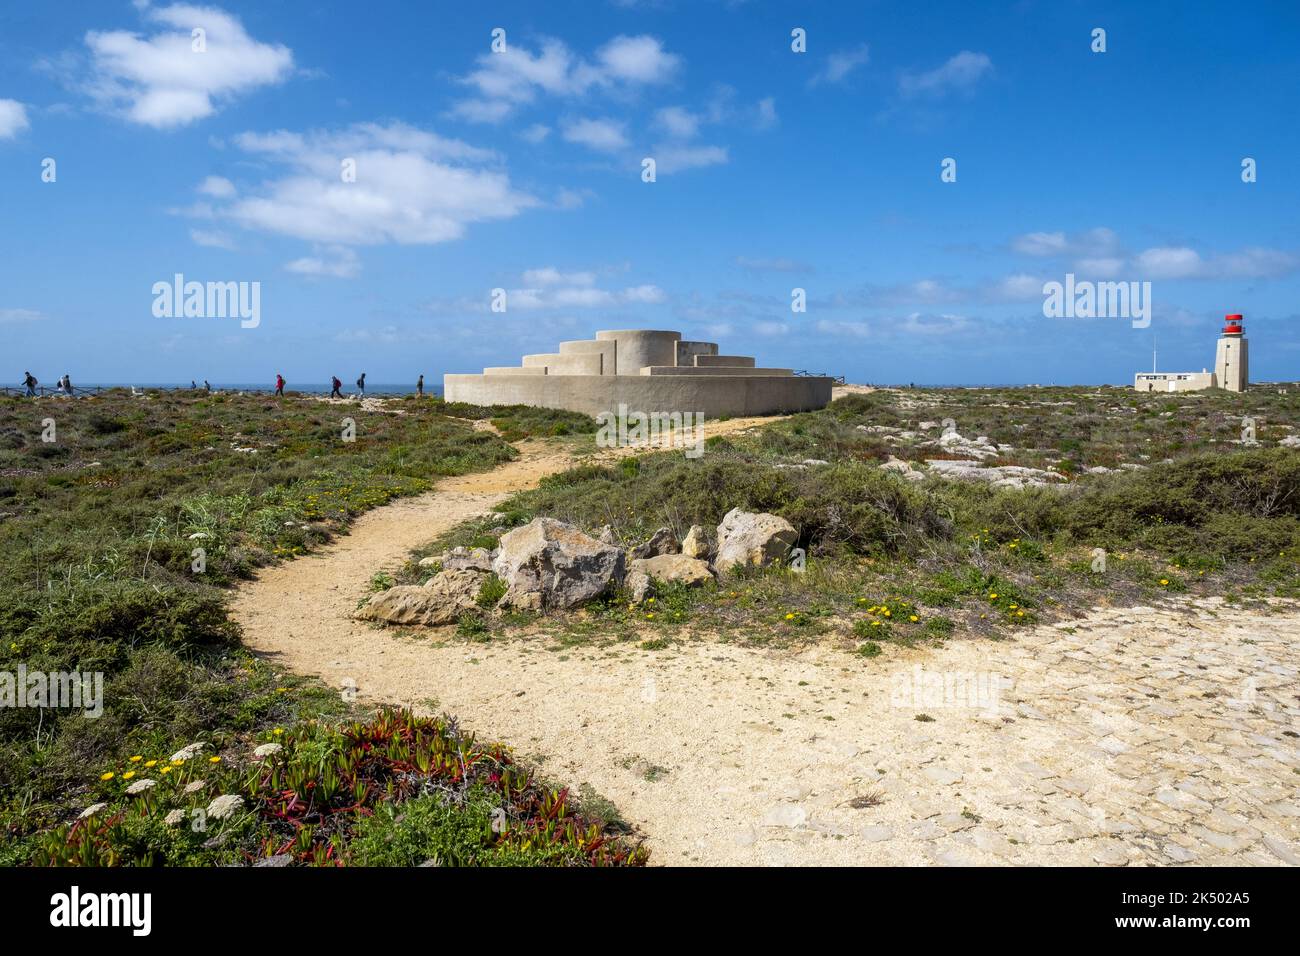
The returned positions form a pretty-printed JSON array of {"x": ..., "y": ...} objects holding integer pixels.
[{"x": 309, "y": 388}]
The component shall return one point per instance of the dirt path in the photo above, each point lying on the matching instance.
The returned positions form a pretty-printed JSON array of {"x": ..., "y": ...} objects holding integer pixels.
[{"x": 1132, "y": 736}]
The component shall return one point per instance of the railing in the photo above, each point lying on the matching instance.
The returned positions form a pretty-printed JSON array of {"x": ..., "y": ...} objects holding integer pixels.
[{"x": 835, "y": 379}]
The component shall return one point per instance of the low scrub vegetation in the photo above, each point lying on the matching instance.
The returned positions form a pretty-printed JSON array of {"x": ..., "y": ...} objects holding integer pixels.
[
  {"x": 1159, "y": 496},
  {"x": 120, "y": 530}
]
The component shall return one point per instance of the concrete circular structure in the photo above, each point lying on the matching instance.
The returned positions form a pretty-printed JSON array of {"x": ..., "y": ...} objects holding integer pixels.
[
  {"x": 649, "y": 371},
  {"x": 637, "y": 348}
]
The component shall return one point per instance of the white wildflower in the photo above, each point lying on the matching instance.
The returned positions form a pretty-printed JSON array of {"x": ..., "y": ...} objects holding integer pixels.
[
  {"x": 225, "y": 805},
  {"x": 188, "y": 753}
]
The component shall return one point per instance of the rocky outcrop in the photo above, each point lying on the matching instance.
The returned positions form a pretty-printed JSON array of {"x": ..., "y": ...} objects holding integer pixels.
[
  {"x": 467, "y": 559},
  {"x": 904, "y": 468},
  {"x": 752, "y": 540},
  {"x": 663, "y": 541},
  {"x": 1006, "y": 476},
  {"x": 696, "y": 544},
  {"x": 551, "y": 565},
  {"x": 674, "y": 568},
  {"x": 441, "y": 600}
]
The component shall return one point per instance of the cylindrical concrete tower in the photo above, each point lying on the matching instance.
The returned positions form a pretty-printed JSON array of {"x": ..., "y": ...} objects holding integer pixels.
[
  {"x": 635, "y": 348},
  {"x": 1231, "y": 358}
]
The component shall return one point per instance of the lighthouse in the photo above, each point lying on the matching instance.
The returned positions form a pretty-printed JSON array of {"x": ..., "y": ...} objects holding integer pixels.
[{"x": 1231, "y": 358}]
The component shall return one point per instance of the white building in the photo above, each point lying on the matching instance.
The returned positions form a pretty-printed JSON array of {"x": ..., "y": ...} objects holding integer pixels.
[{"x": 1230, "y": 367}]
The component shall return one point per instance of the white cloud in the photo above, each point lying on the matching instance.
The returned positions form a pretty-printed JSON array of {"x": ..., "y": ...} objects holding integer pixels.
[
  {"x": 503, "y": 82},
  {"x": 162, "y": 81},
  {"x": 959, "y": 74},
  {"x": 535, "y": 133},
  {"x": 552, "y": 276},
  {"x": 13, "y": 118},
  {"x": 676, "y": 158},
  {"x": 20, "y": 315},
  {"x": 412, "y": 187},
  {"x": 771, "y": 328},
  {"x": 1094, "y": 244},
  {"x": 338, "y": 262},
  {"x": 548, "y": 288},
  {"x": 840, "y": 65},
  {"x": 213, "y": 240},
  {"x": 639, "y": 59},
  {"x": 678, "y": 122},
  {"x": 604, "y": 135},
  {"x": 218, "y": 187},
  {"x": 766, "y": 111},
  {"x": 1182, "y": 262}
]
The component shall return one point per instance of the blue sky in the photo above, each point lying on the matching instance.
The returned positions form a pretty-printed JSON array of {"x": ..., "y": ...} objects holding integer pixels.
[{"x": 522, "y": 170}]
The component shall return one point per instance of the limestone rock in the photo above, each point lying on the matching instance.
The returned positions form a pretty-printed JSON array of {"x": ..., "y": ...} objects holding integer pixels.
[
  {"x": 548, "y": 564},
  {"x": 904, "y": 468},
  {"x": 639, "y": 586},
  {"x": 441, "y": 600},
  {"x": 467, "y": 559},
  {"x": 747, "y": 538},
  {"x": 696, "y": 543},
  {"x": 662, "y": 541},
  {"x": 1005, "y": 476},
  {"x": 672, "y": 568},
  {"x": 607, "y": 535}
]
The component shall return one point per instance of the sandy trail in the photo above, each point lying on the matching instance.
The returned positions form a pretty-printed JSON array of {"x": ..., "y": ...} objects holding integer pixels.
[{"x": 1130, "y": 736}]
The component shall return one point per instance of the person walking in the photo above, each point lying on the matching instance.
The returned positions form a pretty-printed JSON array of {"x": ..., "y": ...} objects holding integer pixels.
[
  {"x": 361, "y": 385},
  {"x": 335, "y": 385},
  {"x": 66, "y": 384},
  {"x": 30, "y": 381},
  {"x": 206, "y": 387},
  {"x": 419, "y": 388},
  {"x": 279, "y": 385},
  {"x": 193, "y": 385}
]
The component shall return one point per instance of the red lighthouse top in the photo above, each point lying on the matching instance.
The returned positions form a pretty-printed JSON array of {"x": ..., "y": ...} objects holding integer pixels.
[{"x": 1232, "y": 324}]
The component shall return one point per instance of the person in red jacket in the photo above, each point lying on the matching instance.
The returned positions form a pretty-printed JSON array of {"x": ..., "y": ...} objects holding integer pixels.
[
  {"x": 279, "y": 385},
  {"x": 334, "y": 381}
]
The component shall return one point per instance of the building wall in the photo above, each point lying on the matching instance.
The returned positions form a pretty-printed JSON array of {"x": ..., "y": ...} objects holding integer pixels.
[
  {"x": 1173, "y": 381},
  {"x": 711, "y": 395},
  {"x": 686, "y": 351},
  {"x": 1232, "y": 363},
  {"x": 637, "y": 348}
]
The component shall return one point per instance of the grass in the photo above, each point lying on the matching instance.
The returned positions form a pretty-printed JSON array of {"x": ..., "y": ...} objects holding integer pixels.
[
  {"x": 119, "y": 539},
  {"x": 1160, "y": 487}
]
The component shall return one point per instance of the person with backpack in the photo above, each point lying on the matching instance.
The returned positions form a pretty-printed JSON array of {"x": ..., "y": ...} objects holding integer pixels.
[
  {"x": 335, "y": 385},
  {"x": 279, "y": 385},
  {"x": 361, "y": 385},
  {"x": 419, "y": 388},
  {"x": 30, "y": 381},
  {"x": 66, "y": 384}
]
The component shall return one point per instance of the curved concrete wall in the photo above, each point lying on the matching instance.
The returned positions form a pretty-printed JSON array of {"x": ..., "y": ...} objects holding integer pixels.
[
  {"x": 710, "y": 395},
  {"x": 636, "y": 348}
]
